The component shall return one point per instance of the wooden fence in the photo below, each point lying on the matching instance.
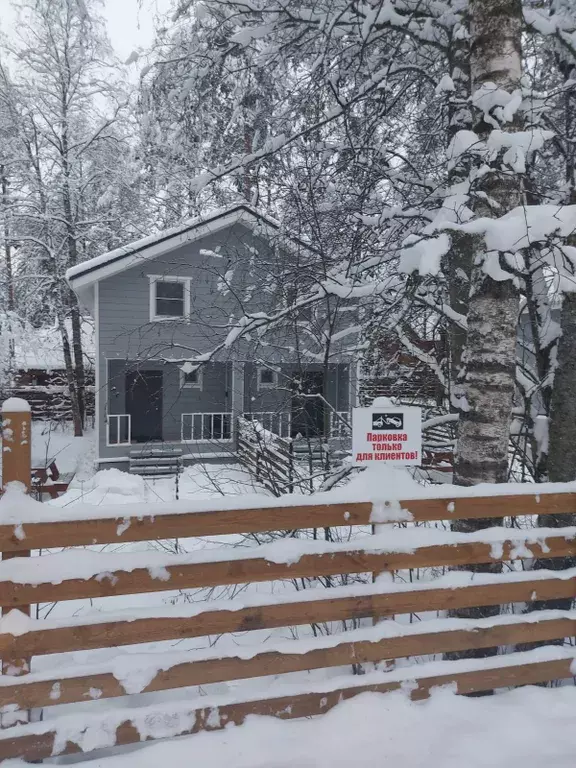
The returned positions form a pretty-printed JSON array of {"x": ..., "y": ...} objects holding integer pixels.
[
  {"x": 267, "y": 456},
  {"x": 88, "y": 573}
]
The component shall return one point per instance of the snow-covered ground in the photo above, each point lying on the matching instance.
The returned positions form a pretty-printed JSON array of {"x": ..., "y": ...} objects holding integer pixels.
[
  {"x": 531, "y": 727},
  {"x": 199, "y": 481},
  {"x": 54, "y": 441}
]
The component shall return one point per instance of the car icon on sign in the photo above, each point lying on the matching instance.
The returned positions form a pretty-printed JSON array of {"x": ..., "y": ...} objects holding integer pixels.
[{"x": 391, "y": 421}]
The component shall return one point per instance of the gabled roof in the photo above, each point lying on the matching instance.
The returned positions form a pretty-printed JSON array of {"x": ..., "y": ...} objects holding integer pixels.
[{"x": 83, "y": 276}]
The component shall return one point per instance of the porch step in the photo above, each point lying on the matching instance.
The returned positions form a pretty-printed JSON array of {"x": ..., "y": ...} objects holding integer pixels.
[
  {"x": 145, "y": 453},
  {"x": 156, "y": 462},
  {"x": 165, "y": 461},
  {"x": 304, "y": 450},
  {"x": 154, "y": 471}
]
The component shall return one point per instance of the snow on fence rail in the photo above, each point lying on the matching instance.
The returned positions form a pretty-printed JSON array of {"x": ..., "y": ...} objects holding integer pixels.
[{"x": 72, "y": 574}]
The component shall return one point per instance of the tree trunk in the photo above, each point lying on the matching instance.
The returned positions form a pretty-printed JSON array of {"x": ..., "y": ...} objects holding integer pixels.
[
  {"x": 489, "y": 384},
  {"x": 72, "y": 247},
  {"x": 7, "y": 243},
  {"x": 561, "y": 458},
  {"x": 489, "y": 360},
  {"x": 78, "y": 352},
  {"x": 460, "y": 258},
  {"x": 562, "y": 442},
  {"x": 76, "y": 415},
  {"x": 459, "y": 273},
  {"x": 10, "y": 302}
]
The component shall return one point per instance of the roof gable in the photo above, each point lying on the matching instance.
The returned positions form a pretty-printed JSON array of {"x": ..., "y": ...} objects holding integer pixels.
[{"x": 83, "y": 276}]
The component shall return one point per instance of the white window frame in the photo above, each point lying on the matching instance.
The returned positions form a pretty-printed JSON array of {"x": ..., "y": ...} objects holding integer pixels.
[
  {"x": 191, "y": 385},
  {"x": 202, "y": 416},
  {"x": 267, "y": 385},
  {"x": 118, "y": 416},
  {"x": 154, "y": 280}
]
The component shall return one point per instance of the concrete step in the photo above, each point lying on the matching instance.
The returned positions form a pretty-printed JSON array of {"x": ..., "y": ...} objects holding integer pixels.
[
  {"x": 156, "y": 461},
  {"x": 155, "y": 471},
  {"x": 152, "y": 460},
  {"x": 145, "y": 453}
]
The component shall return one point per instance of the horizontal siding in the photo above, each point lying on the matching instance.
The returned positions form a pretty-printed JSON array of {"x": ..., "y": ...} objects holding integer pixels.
[
  {"x": 125, "y": 327},
  {"x": 336, "y": 388}
]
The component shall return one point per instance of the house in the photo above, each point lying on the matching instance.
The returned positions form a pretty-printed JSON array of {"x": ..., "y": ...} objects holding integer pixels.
[{"x": 169, "y": 373}]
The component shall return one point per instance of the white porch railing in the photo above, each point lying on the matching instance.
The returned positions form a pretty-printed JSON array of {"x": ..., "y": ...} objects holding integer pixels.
[
  {"x": 198, "y": 427},
  {"x": 278, "y": 422},
  {"x": 118, "y": 429},
  {"x": 340, "y": 424}
]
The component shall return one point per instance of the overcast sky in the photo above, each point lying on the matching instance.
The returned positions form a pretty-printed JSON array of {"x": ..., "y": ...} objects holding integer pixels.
[{"x": 130, "y": 22}]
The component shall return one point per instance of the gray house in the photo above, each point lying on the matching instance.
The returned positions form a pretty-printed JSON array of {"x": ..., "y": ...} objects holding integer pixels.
[{"x": 170, "y": 372}]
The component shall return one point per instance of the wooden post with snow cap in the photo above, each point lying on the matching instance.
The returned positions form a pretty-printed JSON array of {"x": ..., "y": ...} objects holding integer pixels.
[
  {"x": 16, "y": 442},
  {"x": 16, "y": 468}
]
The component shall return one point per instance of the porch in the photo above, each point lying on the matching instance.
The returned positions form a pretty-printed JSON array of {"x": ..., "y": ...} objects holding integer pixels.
[{"x": 153, "y": 406}]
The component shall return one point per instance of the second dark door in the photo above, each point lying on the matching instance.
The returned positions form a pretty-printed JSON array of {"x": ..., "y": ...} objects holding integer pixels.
[
  {"x": 308, "y": 410},
  {"x": 144, "y": 404}
]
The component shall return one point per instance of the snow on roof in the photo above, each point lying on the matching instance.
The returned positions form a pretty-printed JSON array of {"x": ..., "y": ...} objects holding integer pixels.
[
  {"x": 151, "y": 246},
  {"x": 41, "y": 348}
]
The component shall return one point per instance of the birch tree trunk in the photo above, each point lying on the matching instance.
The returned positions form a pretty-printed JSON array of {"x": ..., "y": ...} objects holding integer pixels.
[
  {"x": 10, "y": 303},
  {"x": 490, "y": 355},
  {"x": 460, "y": 258},
  {"x": 489, "y": 359}
]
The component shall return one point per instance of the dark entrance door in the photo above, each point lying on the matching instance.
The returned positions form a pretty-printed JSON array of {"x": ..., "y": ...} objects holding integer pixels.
[
  {"x": 307, "y": 410},
  {"x": 144, "y": 404}
]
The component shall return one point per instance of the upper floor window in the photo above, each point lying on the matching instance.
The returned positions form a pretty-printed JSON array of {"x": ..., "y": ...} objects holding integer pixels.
[
  {"x": 169, "y": 298},
  {"x": 267, "y": 377}
]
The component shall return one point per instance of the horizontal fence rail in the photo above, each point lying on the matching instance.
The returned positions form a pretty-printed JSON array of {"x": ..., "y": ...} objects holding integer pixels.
[
  {"x": 44, "y": 637},
  {"x": 337, "y": 650},
  {"x": 122, "y": 574},
  {"x": 40, "y": 741},
  {"x": 128, "y": 523},
  {"x": 369, "y": 621}
]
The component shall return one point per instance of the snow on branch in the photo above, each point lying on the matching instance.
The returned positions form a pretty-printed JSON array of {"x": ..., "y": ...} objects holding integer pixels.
[{"x": 522, "y": 226}]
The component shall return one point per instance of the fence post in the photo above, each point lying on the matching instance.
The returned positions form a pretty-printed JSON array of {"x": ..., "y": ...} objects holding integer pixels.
[{"x": 16, "y": 467}]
